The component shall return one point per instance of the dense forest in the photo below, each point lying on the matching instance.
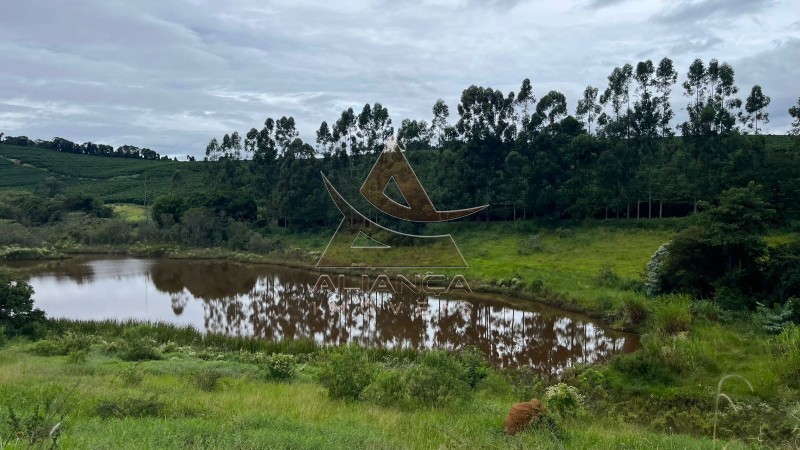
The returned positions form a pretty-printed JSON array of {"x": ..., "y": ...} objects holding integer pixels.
[{"x": 621, "y": 155}]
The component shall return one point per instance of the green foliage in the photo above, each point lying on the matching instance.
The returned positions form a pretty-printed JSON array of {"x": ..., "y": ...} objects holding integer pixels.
[
  {"x": 782, "y": 277},
  {"x": 77, "y": 357},
  {"x": 722, "y": 250},
  {"x": 786, "y": 348},
  {"x": 280, "y": 366},
  {"x": 347, "y": 373},
  {"x": 129, "y": 407},
  {"x": 634, "y": 312},
  {"x": 388, "y": 388},
  {"x": 18, "y": 316},
  {"x": 706, "y": 309},
  {"x": 136, "y": 345},
  {"x": 673, "y": 314},
  {"x": 563, "y": 400},
  {"x": 62, "y": 345},
  {"x": 779, "y": 317},
  {"x": 607, "y": 277},
  {"x": 438, "y": 379},
  {"x": 206, "y": 379}
]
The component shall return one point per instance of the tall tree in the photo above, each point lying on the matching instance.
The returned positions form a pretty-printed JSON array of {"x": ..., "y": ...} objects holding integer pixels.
[
  {"x": 588, "y": 108},
  {"x": 666, "y": 77},
  {"x": 439, "y": 123},
  {"x": 756, "y": 107},
  {"x": 794, "y": 111}
]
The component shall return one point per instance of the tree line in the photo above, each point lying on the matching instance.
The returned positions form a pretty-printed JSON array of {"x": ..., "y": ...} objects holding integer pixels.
[
  {"x": 621, "y": 154},
  {"x": 87, "y": 148}
]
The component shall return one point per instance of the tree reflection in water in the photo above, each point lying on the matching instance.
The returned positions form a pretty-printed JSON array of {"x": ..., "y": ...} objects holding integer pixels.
[{"x": 278, "y": 303}]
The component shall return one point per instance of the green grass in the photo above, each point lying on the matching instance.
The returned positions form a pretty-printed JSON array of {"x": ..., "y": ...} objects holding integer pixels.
[
  {"x": 244, "y": 411},
  {"x": 130, "y": 212}
]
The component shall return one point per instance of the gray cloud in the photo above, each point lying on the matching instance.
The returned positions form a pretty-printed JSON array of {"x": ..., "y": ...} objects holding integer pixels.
[{"x": 171, "y": 75}]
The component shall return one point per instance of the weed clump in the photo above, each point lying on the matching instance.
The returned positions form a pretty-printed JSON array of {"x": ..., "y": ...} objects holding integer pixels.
[
  {"x": 280, "y": 366},
  {"x": 206, "y": 379}
]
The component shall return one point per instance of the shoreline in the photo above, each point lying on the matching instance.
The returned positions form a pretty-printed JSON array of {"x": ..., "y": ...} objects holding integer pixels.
[{"x": 480, "y": 288}]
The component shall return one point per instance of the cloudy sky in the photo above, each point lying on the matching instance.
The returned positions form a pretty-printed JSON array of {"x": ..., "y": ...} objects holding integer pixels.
[{"x": 170, "y": 75}]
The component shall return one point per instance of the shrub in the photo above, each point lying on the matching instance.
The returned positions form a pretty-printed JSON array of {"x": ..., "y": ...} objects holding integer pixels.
[
  {"x": 634, "y": 312},
  {"x": 62, "y": 346},
  {"x": 641, "y": 365},
  {"x": 132, "y": 376},
  {"x": 77, "y": 356},
  {"x": 674, "y": 315},
  {"x": 607, "y": 277},
  {"x": 779, "y": 317},
  {"x": 706, "y": 309},
  {"x": 475, "y": 365},
  {"x": 786, "y": 347},
  {"x": 653, "y": 270},
  {"x": 388, "y": 388},
  {"x": 139, "y": 349},
  {"x": 347, "y": 372},
  {"x": 563, "y": 400},
  {"x": 437, "y": 380},
  {"x": 280, "y": 366}
]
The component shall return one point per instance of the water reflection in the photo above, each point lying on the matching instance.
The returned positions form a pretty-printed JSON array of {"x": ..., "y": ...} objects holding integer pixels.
[{"x": 278, "y": 303}]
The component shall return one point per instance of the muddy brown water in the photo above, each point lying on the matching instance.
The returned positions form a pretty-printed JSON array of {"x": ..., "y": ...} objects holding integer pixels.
[{"x": 276, "y": 303}]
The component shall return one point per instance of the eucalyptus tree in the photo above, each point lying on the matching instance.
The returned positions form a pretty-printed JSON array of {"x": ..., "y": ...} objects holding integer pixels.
[
  {"x": 666, "y": 77},
  {"x": 794, "y": 112},
  {"x": 324, "y": 138},
  {"x": 413, "y": 135},
  {"x": 589, "y": 108},
  {"x": 439, "y": 123},
  {"x": 756, "y": 108},
  {"x": 525, "y": 101}
]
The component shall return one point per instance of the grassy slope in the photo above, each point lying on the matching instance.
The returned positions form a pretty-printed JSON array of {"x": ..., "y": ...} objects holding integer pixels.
[
  {"x": 115, "y": 180},
  {"x": 248, "y": 412}
]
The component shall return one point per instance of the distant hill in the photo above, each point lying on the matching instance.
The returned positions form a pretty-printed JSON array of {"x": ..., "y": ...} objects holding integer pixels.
[{"x": 113, "y": 180}]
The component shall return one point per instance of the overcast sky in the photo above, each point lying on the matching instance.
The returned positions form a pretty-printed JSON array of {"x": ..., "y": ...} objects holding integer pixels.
[{"x": 170, "y": 75}]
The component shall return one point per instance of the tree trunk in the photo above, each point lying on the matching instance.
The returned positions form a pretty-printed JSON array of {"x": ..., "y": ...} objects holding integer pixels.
[{"x": 661, "y": 209}]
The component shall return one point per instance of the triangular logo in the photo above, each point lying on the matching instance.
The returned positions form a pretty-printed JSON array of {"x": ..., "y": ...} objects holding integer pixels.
[
  {"x": 392, "y": 190},
  {"x": 364, "y": 241}
]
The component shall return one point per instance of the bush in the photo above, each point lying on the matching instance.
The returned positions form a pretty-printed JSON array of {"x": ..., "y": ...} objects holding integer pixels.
[
  {"x": 607, "y": 277},
  {"x": 280, "y": 366},
  {"x": 634, "y": 312},
  {"x": 475, "y": 365},
  {"x": 137, "y": 349},
  {"x": 77, "y": 357},
  {"x": 563, "y": 400},
  {"x": 706, "y": 309},
  {"x": 62, "y": 346},
  {"x": 438, "y": 379},
  {"x": 347, "y": 372},
  {"x": 388, "y": 388},
  {"x": 786, "y": 347},
  {"x": 673, "y": 315}
]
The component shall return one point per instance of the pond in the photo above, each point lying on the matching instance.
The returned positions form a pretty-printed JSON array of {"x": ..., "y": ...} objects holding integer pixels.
[{"x": 276, "y": 303}]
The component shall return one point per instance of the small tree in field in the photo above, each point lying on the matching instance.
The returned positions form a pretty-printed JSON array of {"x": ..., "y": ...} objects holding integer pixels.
[{"x": 17, "y": 314}]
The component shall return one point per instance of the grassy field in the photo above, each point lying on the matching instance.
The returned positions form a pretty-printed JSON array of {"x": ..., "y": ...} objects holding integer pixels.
[{"x": 104, "y": 402}]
